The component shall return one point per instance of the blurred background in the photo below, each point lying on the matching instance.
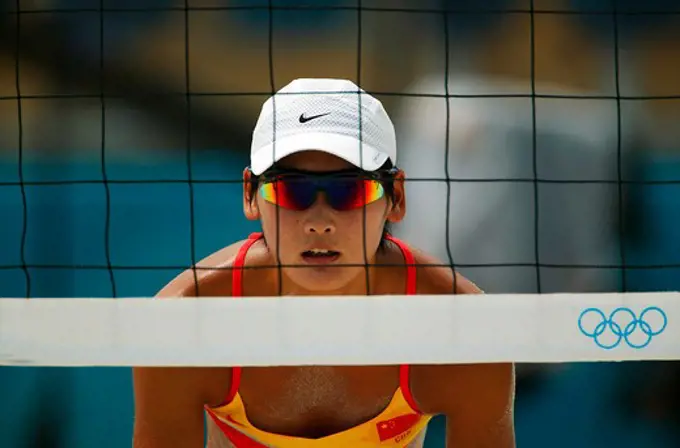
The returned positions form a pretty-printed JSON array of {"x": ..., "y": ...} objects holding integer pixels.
[{"x": 88, "y": 97}]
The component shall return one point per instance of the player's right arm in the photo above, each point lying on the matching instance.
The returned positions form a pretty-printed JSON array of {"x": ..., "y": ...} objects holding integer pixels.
[
  {"x": 169, "y": 401},
  {"x": 169, "y": 406}
]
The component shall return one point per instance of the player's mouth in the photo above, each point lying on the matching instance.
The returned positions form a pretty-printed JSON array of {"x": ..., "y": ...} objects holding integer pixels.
[{"x": 320, "y": 256}]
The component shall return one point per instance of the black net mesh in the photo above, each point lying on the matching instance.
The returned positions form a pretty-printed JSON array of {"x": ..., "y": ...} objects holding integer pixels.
[{"x": 87, "y": 70}]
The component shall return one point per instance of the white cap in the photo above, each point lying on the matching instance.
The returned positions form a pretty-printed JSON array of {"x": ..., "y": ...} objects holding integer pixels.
[{"x": 325, "y": 115}]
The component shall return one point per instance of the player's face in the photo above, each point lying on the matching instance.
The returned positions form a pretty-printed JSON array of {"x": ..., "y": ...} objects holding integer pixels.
[{"x": 322, "y": 223}]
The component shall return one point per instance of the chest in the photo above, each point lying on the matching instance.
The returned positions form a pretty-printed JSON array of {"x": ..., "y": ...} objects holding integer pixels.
[{"x": 316, "y": 401}]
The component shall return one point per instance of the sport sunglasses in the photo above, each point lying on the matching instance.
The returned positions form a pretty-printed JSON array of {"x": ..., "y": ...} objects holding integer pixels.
[{"x": 342, "y": 190}]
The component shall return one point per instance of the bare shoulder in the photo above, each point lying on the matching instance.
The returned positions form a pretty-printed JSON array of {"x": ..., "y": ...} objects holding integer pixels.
[
  {"x": 213, "y": 274},
  {"x": 437, "y": 277}
]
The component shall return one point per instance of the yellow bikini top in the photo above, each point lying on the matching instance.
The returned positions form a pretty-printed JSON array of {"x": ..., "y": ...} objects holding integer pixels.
[{"x": 395, "y": 427}]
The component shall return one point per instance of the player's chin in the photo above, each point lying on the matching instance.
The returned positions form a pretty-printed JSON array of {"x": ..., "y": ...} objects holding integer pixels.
[{"x": 322, "y": 278}]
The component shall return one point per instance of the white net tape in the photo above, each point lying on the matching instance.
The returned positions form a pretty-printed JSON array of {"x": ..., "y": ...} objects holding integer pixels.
[{"x": 340, "y": 330}]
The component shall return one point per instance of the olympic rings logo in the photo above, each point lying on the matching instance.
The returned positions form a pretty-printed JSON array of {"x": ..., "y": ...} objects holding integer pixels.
[{"x": 622, "y": 323}]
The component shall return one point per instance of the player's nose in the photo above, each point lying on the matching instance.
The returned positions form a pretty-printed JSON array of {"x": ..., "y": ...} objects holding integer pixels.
[
  {"x": 319, "y": 227},
  {"x": 320, "y": 218}
]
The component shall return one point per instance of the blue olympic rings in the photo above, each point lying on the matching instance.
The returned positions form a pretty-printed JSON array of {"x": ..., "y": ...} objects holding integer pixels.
[{"x": 628, "y": 330}]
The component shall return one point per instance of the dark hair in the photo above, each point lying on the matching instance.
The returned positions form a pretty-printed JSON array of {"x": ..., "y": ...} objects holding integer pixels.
[
  {"x": 387, "y": 230},
  {"x": 388, "y": 185}
]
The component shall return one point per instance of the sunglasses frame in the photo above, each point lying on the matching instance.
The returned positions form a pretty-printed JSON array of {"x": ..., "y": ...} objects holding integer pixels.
[{"x": 269, "y": 176}]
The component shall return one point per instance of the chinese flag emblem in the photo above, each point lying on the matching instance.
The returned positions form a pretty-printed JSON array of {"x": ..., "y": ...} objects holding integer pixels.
[{"x": 389, "y": 429}]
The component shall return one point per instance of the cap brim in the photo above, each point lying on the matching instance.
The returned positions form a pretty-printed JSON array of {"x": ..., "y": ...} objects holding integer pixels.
[{"x": 352, "y": 150}]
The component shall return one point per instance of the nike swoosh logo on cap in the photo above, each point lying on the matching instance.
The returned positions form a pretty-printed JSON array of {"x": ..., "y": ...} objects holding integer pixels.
[{"x": 304, "y": 119}]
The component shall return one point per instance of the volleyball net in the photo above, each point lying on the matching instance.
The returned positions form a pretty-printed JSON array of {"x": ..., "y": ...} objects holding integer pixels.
[
  {"x": 447, "y": 117},
  {"x": 363, "y": 330}
]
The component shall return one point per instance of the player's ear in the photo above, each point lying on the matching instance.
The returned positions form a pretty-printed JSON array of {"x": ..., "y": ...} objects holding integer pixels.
[
  {"x": 398, "y": 209},
  {"x": 250, "y": 208}
]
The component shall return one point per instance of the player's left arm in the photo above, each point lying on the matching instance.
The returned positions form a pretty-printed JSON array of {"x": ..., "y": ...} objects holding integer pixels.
[{"x": 477, "y": 399}]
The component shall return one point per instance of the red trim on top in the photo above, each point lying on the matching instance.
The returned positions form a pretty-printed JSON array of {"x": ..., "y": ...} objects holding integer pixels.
[
  {"x": 237, "y": 291},
  {"x": 236, "y": 437},
  {"x": 239, "y": 262},
  {"x": 405, "y": 385},
  {"x": 235, "y": 383},
  {"x": 410, "y": 261}
]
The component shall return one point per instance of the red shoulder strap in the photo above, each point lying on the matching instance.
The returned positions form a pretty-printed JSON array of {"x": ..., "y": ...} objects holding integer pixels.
[
  {"x": 237, "y": 291},
  {"x": 405, "y": 385},
  {"x": 410, "y": 261},
  {"x": 239, "y": 262},
  {"x": 404, "y": 369}
]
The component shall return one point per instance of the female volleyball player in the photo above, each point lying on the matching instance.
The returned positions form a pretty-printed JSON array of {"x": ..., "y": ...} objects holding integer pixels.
[{"x": 323, "y": 184}]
